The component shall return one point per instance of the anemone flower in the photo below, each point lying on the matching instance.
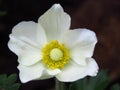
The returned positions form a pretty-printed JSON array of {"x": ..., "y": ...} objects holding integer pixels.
[{"x": 50, "y": 48}]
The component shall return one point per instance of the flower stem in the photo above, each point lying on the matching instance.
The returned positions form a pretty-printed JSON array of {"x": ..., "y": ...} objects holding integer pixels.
[{"x": 60, "y": 85}]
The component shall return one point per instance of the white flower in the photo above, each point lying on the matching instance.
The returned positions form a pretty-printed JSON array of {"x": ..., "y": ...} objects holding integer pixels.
[{"x": 50, "y": 49}]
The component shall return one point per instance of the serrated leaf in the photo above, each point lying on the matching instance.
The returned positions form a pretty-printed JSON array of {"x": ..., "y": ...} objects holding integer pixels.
[
  {"x": 115, "y": 87},
  {"x": 8, "y": 83},
  {"x": 11, "y": 79},
  {"x": 3, "y": 79},
  {"x": 14, "y": 87},
  {"x": 3, "y": 76}
]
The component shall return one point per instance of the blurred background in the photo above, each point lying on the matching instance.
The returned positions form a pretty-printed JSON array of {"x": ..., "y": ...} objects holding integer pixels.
[{"x": 101, "y": 16}]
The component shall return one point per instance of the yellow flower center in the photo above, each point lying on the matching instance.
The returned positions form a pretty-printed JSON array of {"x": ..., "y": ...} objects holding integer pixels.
[{"x": 55, "y": 55}]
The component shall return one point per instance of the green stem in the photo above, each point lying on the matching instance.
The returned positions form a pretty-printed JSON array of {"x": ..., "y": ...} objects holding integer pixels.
[{"x": 60, "y": 85}]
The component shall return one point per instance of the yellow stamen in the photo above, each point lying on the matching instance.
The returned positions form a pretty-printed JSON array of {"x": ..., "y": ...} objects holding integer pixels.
[{"x": 55, "y": 55}]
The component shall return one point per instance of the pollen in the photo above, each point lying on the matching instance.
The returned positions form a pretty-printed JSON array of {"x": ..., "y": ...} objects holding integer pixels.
[{"x": 55, "y": 55}]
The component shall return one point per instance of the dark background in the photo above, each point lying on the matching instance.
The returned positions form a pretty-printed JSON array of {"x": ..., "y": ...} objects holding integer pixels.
[{"x": 101, "y": 16}]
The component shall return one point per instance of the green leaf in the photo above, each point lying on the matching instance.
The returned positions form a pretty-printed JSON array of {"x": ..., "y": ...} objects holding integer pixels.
[
  {"x": 11, "y": 79},
  {"x": 102, "y": 80},
  {"x": 99, "y": 82},
  {"x": 14, "y": 87},
  {"x": 60, "y": 85},
  {"x": 115, "y": 87},
  {"x": 3, "y": 79},
  {"x": 79, "y": 85},
  {"x": 8, "y": 83}
]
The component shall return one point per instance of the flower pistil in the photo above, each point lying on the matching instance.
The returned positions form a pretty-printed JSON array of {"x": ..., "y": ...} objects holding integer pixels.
[{"x": 55, "y": 55}]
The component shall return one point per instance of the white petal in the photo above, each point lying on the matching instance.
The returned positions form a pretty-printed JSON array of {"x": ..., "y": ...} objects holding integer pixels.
[
  {"x": 74, "y": 71},
  {"x": 31, "y": 72},
  {"x": 55, "y": 22},
  {"x": 41, "y": 36},
  {"x": 30, "y": 57},
  {"x": 53, "y": 72},
  {"x": 49, "y": 73},
  {"x": 45, "y": 75},
  {"x": 30, "y": 31},
  {"x": 92, "y": 68},
  {"x": 27, "y": 54},
  {"x": 82, "y": 46}
]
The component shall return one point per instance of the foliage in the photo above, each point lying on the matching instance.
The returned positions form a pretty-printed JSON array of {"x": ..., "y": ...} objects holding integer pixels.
[
  {"x": 100, "y": 82},
  {"x": 8, "y": 83},
  {"x": 94, "y": 83},
  {"x": 115, "y": 87}
]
